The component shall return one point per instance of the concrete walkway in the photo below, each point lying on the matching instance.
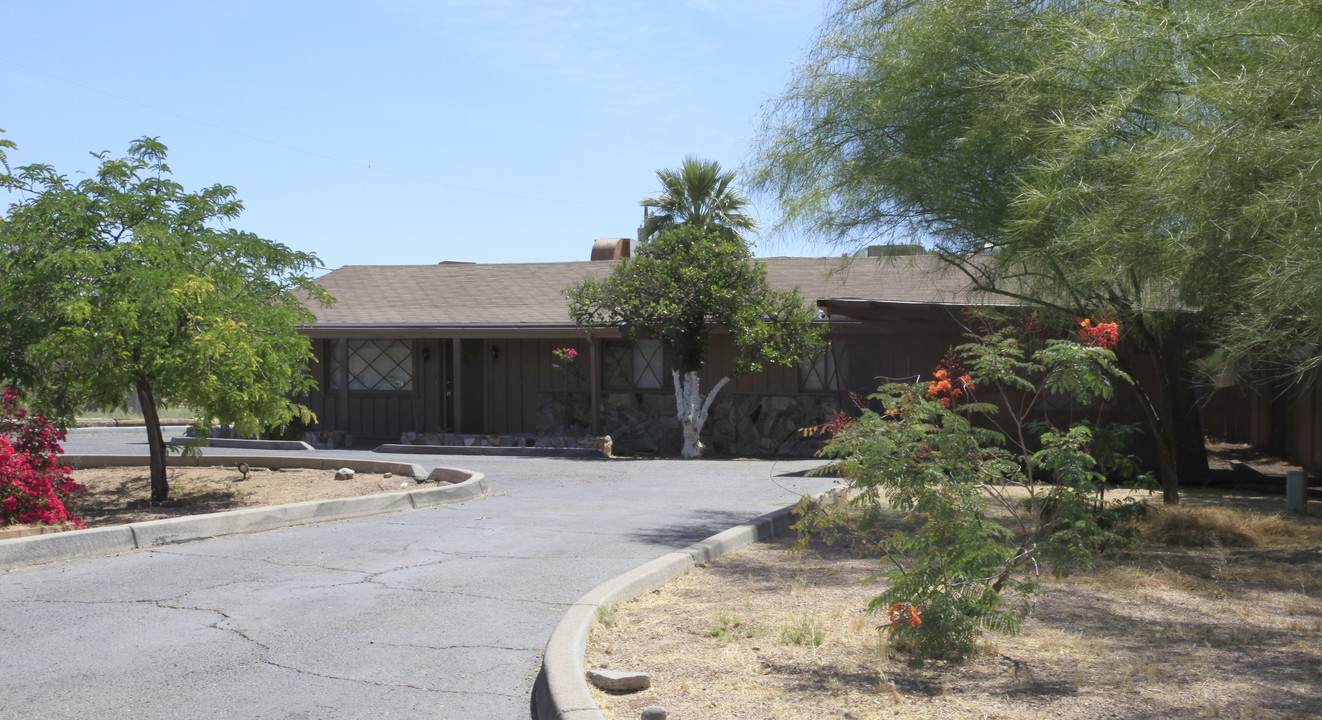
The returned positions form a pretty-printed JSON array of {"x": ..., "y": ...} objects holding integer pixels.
[{"x": 438, "y": 613}]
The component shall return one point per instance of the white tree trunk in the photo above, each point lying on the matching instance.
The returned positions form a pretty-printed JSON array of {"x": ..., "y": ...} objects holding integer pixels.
[{"x": 692, "y": 409}]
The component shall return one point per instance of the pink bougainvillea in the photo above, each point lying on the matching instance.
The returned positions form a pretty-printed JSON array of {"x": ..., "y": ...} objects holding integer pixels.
[{"x": 34, "y": 487}]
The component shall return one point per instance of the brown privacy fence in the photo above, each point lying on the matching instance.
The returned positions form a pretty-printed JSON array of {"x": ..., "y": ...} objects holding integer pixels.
[{"x": 1284, "y": 420}]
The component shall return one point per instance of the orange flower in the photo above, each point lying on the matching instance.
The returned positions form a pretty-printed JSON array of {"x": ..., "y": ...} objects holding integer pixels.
[
  {"x": 903, "y": 612},
  {"x": 1102, "y": 334}
]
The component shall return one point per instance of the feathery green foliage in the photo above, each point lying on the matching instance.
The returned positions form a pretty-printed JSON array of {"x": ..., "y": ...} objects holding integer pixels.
[
  {"x": 940, "y": 469},
  {"x": 126, "y": 282},
  {"x": 1154, "y": 158}
]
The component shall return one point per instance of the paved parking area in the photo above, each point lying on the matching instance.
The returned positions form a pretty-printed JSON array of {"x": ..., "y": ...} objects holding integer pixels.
[{"x": 439, "y": 613}]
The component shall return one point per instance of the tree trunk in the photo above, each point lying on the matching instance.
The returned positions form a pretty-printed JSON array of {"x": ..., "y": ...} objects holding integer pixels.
[
  {"x": 160, "y": 485},
  {"x": 1189, "y": 439},
  {"x": 692, "y": 409}
]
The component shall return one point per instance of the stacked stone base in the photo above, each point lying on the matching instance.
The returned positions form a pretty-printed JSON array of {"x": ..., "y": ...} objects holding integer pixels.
[
  {"x": 738, "y": 425},
  {"x": 525, "y": 440}
]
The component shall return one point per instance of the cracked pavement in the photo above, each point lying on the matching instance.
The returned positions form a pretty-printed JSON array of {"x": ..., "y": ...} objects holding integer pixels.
[{"x": 437, "y": 613}]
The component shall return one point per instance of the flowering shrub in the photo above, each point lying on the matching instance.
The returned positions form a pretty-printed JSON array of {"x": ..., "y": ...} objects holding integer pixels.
[
  {"x": 563, "y": 357},
  {"x": 923, "y": 480},
  {"x": 34, "y": 487},
  {"x": 568, "y": 412}
]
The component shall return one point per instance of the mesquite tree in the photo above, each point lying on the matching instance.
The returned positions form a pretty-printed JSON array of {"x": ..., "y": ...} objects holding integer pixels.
[{"x": 684, "y": 283}]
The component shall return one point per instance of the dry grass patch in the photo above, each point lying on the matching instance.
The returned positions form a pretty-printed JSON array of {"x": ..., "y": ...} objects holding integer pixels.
[
  {"x": 1158, "y": 631},
  {"x": 117, "y": 495},
  {"x": 1211, "y": 526}
]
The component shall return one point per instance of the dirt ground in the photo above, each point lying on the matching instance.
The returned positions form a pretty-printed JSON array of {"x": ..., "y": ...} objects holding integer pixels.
[
  {"x": 1157, "y": 631},
  {"x": 117, "y": 495}
]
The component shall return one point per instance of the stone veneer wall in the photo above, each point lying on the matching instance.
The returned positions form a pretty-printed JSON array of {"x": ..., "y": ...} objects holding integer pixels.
[{"x": 737, "y": 424}]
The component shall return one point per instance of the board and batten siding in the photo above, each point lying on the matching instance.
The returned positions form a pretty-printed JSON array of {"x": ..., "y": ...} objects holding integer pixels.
[
  {"x": 521, "y": 378},
  {"x": 375, "y": 415}
]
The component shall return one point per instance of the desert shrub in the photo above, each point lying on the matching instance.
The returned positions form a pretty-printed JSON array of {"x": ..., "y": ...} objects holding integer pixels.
[
  {"x": 954, "y": 566},
  {"x": 34, "y": 487}
]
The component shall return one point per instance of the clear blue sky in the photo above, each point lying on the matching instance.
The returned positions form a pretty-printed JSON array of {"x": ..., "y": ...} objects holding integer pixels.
[{"x": 408, "y": 131}]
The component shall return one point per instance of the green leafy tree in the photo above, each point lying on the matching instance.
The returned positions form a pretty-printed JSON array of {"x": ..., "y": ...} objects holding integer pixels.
[
  {"x": 683, "y": 284},
  {"x": 4, "y": 160},
  {"x": 1154, "y": 158},
  {"x": 968, "y": 501},
  {"x": 126, "y": 282},
  {"x": 699, "y": 194}
]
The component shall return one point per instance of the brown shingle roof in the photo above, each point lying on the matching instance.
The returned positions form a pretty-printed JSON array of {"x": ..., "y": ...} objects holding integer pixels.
[{"x": 527, "y": 295}]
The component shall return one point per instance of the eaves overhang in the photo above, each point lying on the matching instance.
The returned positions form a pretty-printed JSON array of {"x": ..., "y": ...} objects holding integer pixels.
[{"x": 466, "y": 330}]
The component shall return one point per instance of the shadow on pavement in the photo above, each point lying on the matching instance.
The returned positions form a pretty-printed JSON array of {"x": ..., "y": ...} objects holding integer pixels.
[{"x": 702, "y": 525}]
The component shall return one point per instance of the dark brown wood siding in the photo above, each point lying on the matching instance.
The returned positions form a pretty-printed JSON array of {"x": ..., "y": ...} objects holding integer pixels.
[
  {"x": 521, "y": 378},
  {"x": 381, "y": 416}
]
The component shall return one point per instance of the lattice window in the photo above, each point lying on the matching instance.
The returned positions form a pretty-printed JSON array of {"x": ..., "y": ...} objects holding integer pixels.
[
  {"x": 333, "y": 365},
  {"x": 639, "y": 365},
  {"x": 373, "y": 365},
  {"x": 616, "y": 365},
  {"x": 647, "y": 364},
  {"x": 824, "y": 371}
]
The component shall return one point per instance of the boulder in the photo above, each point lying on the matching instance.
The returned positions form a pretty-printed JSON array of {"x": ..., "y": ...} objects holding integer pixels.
[{"x": 614, "y": 681}]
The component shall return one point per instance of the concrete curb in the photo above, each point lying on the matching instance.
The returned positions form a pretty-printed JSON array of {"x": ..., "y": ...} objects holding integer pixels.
[
  {"x": 84, "y": 423},
  {"x": 491, "y": 450},
  {"x": 561, "y": 690},
  {"x": 99, "y": 542},
  {"x": 274, "y": 462},
  {"x": 243, "y": 443}
]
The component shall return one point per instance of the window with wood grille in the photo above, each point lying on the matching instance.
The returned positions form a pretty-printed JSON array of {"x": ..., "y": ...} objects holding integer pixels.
[
  {"x": 638, "y": 365},
  {"x": 374, "y": 365},
  {"x": 824, "y": 371}
]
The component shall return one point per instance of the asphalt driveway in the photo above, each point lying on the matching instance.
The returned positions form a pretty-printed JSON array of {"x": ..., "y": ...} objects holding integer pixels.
[{"x": 439, "y": 613}]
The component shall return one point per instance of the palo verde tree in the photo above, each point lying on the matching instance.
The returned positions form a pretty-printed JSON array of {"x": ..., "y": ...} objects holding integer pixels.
[
  {"x": 1153, "y": 158},
  {"x": 684, "y": 283},
  {"x": 126, "y": 282}
]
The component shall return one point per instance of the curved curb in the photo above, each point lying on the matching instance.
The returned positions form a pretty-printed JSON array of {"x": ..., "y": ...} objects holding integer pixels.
[
  {"x": 242, "y": 443},
  {"x": 274, "y": 462},
  {"x": 493, "y": 450},
  {"x": 561, "y": 689},
  {"x": 98, "y": 542}
]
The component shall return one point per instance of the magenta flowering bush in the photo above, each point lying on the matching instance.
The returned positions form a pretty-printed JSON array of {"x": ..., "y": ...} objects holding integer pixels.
[
  {"x": 568, "y": 411},
  {"x": 564, "y": 357},
  {"x": 34, "y": 487}
]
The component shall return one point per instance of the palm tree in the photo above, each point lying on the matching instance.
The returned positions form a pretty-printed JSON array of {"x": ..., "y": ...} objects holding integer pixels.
[{"x": 699, "y": 195}]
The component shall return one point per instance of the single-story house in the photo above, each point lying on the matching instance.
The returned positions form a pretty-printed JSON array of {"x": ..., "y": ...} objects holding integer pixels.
[{"x": 424, "y": 351}]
